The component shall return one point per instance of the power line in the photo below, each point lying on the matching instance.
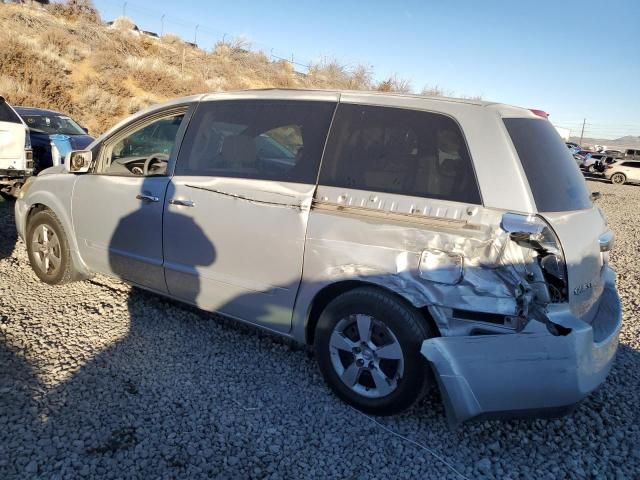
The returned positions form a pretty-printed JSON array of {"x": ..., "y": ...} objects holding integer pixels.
[{"x": 165, "y": 21}]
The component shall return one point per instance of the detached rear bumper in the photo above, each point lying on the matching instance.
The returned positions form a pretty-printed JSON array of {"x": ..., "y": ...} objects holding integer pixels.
[{"x": 526, "y": 374}]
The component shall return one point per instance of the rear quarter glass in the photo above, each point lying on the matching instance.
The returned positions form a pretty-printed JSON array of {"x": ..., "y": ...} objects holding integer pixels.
[
  {"x": 554, "y": 178},
  {"x": 7, "y": 114}
]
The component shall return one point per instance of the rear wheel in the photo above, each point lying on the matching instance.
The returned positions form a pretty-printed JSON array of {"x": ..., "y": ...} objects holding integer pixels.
[
  {"x": 367, "y": 344},
  {"x": 618, "y": 178},
  {"x": 48, "y": 249}
]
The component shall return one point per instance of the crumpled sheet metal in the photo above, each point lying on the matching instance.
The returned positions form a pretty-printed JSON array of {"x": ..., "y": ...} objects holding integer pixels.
[{"x": 494, "y": 268}]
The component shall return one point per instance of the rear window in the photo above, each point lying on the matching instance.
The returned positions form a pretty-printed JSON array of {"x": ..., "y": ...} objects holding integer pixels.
[
  {"x": 554, "y": 178},
  {"x": 393, "y": 150},
  {"x": 7, "y": 114}
]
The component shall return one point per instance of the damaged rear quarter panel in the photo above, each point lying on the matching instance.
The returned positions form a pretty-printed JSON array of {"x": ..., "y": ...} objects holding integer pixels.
[{"x": 383, "y": 246}]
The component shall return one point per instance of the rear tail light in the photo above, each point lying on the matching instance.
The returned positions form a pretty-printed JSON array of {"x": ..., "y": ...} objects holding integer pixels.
[
  {"x": 27, "y": 140},
  {"x": 532, "y": 232},
  {"x": 28, "y": 157}
]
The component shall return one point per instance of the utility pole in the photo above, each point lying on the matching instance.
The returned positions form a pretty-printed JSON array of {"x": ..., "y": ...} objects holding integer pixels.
[
  {"x": 162, "y": 25},
  {"x": 184, "y": 54},
  {"x": 195, "y": 35},
  {"x": 584, "y": 121},
  {"x": 124, "y": 9}
]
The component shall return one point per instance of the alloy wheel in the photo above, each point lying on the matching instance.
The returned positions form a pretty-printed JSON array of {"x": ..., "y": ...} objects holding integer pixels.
[
  {"x": 46, "y": 250},
  {"x": 617, "y": 178},
  {"x": 366, "y": 355}
]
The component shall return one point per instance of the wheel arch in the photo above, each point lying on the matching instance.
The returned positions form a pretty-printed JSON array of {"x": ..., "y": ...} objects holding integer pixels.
[
  {"x": 624, "y": 177},
  {"x": 41, "y": 201},
  {"x": 329, "y": 292}
]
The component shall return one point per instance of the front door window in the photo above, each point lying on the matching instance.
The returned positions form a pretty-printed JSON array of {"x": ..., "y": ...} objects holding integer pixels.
[{"x": 145, "y": 151}]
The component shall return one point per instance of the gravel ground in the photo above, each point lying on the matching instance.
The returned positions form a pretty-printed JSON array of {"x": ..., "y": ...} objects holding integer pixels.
[{"x": 101, "y": 380}]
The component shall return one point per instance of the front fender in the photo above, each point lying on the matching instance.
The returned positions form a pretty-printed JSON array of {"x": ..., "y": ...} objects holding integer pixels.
[{"x": 54, "y": 192}]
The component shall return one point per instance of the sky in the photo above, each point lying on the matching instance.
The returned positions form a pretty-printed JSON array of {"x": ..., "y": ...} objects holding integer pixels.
[{"x": 574, "y": 59}]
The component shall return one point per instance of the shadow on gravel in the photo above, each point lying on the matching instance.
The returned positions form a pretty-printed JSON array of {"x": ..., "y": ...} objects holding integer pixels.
[
  {"x": 8, "y": 234},
  {"x": 20, "y": 391},
  {"x": 108, "y": 416},
  {"x": 590, "y": 177}
]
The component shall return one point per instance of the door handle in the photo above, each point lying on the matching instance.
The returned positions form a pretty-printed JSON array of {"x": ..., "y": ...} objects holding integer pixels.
[
  {"x": 183, "y": 203},
  {"x": 148, "y": 198}
]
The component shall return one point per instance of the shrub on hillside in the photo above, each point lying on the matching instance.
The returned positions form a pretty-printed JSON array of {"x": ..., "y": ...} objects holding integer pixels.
[
  {"x": 75, "y": 10},
  {"x": 394, "y": 84},
  {"x": 43, "y": 82}
]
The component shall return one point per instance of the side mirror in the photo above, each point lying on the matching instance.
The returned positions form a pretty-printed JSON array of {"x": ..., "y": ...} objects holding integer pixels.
[
  {"x": 85, "y": 129},
  {"x": 78, "y": 161}
]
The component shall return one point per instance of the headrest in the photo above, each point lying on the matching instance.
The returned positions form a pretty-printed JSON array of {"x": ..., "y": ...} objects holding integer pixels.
[{"x": 239, "y": 151}]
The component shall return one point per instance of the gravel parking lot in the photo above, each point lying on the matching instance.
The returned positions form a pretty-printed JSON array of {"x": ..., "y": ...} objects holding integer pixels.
[{"x": 98, "y": 379}]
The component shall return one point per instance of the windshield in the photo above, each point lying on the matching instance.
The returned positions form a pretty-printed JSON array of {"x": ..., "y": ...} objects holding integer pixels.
[
  {"x": 554, "y": 178},
  {"x": 52, "y": 124}
]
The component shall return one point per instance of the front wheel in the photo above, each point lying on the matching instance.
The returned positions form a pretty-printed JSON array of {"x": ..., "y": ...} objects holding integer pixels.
[
  {"x": 48, "y": 249},
  {"x": 367, "y": 344},
  {"x": 618, "y": 178}
]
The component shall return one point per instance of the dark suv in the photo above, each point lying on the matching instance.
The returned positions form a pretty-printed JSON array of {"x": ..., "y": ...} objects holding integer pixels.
[{"x": 53, "y": 135}]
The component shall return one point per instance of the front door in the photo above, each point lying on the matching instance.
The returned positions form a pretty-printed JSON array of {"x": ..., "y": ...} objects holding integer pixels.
[
  {"x": 237, "y": 208},
  {"x": 117, "y": 209}
]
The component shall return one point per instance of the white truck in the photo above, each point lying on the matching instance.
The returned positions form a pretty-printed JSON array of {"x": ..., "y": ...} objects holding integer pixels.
[{"x": 16, "y": 156}]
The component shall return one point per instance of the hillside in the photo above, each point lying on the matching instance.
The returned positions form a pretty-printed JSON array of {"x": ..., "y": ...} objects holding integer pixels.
[
  {"x": 628, "y": 141},
  {"x": 65, "y": 58}
]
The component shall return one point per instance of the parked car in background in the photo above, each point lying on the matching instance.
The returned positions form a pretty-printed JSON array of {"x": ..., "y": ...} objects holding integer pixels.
[
  {"x": 623, "y": 171},
  {"x": 613, "y": 153},
  {"x": 371, "y": 226},
  {"x": 589, "y": 162},
  {"x": 601, "y": 165},
  {"x": 16, "y": 162},
  {"x": 573, "y": 147},
  {"x": 583, "y": 153},
  {"x": 53, "y": 135},
  {"x": 632, "y": 154}
]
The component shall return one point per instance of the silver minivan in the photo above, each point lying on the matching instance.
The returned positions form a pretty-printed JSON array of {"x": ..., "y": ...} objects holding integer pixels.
[{"x": 413, "y": 241}]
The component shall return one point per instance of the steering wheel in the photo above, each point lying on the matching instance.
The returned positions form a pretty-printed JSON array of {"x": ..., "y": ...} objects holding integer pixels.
[{"x": 154, "y": 158}]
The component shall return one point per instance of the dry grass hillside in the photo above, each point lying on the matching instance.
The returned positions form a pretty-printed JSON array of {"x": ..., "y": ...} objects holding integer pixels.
[{"x": 63, "y": 57}]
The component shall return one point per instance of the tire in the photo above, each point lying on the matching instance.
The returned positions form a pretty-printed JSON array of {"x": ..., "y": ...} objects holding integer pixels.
[
  {"x": 618, "y": 178},
  {"x": 48, "y": 249},
  {"x": 385, "y": 375}
]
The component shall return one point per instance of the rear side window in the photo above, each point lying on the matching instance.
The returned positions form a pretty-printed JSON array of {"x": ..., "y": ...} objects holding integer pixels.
[
  {"x": 555, "y": 181},
  {"x": 393, "y": 150},
  {"x": 258, "y": 139},
  {"x": 7, "y": 114}
]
